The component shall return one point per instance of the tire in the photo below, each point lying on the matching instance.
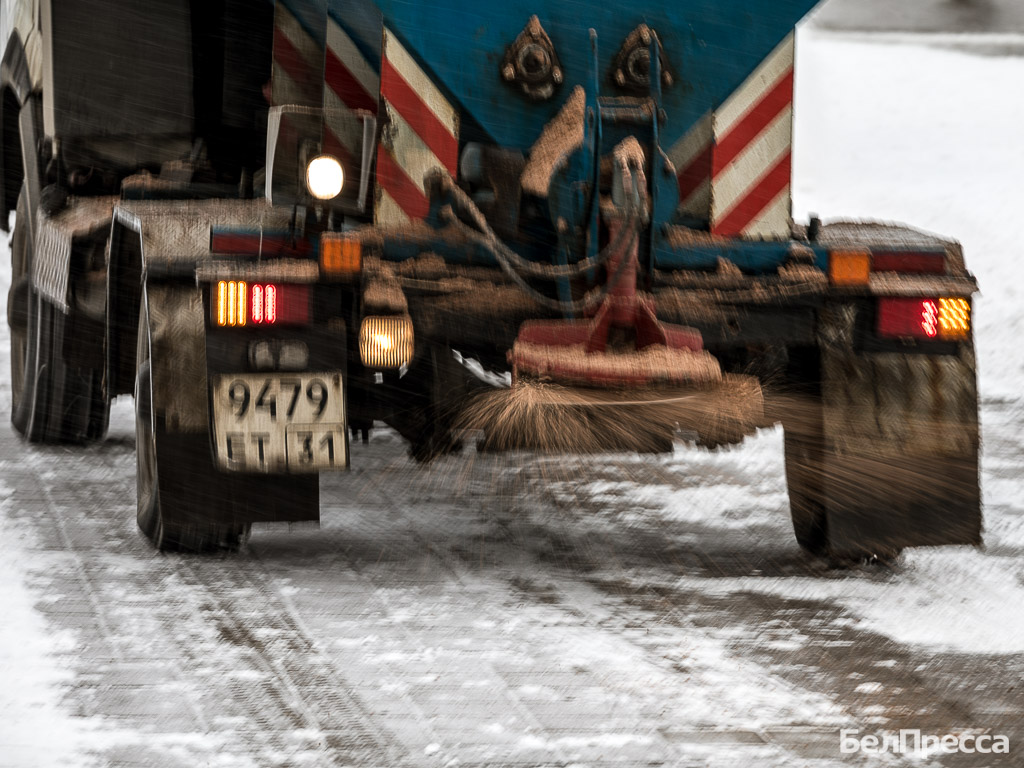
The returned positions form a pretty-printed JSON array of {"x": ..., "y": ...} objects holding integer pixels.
[
  {"x": 424, "y": 403},
  {"x": 806, "y": 505},
  {"x": 174, "y": 522},
  {"x": 881, "y": 447},
  {"x": 51, "y": 402},
  {"x": 20, "y": 308}
]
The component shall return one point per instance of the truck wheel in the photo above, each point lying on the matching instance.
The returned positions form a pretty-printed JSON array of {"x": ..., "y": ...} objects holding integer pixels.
[
  {"x": 881, "y": 447},
  {"x": 425, "y": 411},
  {"x": 51, "y": 402},
  {"x": 806, "y": 507},
  {"x": 173, "y": 518},
  {"x": 20, "y": 308}
]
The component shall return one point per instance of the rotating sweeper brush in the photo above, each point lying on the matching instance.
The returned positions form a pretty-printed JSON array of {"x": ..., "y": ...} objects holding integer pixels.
[{"x": 622, "y": 379}]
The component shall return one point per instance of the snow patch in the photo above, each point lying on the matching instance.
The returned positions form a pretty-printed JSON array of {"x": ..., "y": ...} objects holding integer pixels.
[
  {"x": 925, "y": 136},
  {"x": 34, "y": 729}
]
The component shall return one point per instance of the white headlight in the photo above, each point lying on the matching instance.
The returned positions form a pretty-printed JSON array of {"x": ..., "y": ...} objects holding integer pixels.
[{"x": 324, "y": 177}]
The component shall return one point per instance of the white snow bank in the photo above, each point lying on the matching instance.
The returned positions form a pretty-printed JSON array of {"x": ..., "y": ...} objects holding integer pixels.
[
  {"x": 945, "y": 600},
  {"x": 930, "y": 137},
  {"x": 34, "y": 729}
]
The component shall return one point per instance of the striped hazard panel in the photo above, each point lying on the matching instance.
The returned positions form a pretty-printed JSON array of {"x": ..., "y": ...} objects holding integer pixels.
[
  {"x": 298, "y": 54},
  {"x": 420, "y": 134},
  {"x": 734, "y": 166},
  {"x": 351, "y": 90}
]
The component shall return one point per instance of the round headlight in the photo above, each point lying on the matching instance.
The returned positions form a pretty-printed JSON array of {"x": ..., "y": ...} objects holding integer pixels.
[{"x": 324, "y": 177}]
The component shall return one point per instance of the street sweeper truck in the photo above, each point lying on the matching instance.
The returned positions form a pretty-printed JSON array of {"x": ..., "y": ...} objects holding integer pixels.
[{"x": 277, "y": 224}]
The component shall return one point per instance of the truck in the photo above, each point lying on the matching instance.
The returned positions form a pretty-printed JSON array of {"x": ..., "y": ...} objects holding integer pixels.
[{"x": 279, "y": 223}]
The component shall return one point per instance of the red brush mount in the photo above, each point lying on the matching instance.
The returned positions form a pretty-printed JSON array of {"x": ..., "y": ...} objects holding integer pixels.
[{"x": 576, "y": 351}]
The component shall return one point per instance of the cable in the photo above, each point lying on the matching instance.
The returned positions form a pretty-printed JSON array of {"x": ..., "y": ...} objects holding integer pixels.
[{"x": 514, "y": 265}]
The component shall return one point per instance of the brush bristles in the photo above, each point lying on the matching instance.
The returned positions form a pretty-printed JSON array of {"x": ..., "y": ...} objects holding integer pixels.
[{"x": 552, "y": 418}]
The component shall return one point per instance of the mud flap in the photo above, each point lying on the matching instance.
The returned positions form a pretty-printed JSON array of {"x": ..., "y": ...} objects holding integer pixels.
[
  {"x": 886, "y": 452},
  {"x": 193, "y": 492},
  {"x": 906, "y": 501}
]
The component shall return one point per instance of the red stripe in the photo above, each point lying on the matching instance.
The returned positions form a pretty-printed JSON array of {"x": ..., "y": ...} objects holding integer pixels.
[
  {"x": 764, "y": 192},
  {"x": 695, "y": 174},
  {"x": 753, "y": 123},
  {"x": 249, "y": 243},
  {"x": 344, "y": 83},
  {"x": 353, "y": 168},
  {"x": 420, "y": 117},
  {"x": 334, "y": 147},
  {"x": 393, "y": 178},
  {"x": 908, "y": 261},
  {"x": 291, "y": 60}
]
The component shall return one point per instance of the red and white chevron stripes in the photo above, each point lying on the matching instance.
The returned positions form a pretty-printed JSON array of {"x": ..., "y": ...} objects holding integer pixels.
[
  {"x": 734, "y": 166},
  {"x": 298, "y": 62},
  {"x": 421, "y": 134},
  {"x": 351, "y": 86}
]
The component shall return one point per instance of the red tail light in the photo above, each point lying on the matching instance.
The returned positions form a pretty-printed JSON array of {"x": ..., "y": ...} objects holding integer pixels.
[
  {"x": 945, "y": 318},
  {"x": 238, "y": 303},
  {"x": 264, "y": 304},
  {"x": 908, "y": 262}
]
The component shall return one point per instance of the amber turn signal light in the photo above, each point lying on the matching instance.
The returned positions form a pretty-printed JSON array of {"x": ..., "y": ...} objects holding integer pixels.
[
  {"x": 849, "y": 267},
  {"x": 340, "y": 256},
  {"x": 954, "y": 319}
]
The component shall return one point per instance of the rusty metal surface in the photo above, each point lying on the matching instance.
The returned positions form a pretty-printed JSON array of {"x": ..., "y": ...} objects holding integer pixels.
[
  {"x": 178, "y": 344},
  {"x": 892, "y": 284},
  {"x": 178, "y": 231},
  {"x": 887, "y": 236},
  {"x": 83, "y": 216},
  {"x": 290, "y": 270},
  {"x": 868, "y": 234}
]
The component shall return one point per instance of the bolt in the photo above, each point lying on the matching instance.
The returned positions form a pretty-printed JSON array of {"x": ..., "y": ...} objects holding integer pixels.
[
  {"x": 562, "y": 225},
  {"x": 509, "y": 72},
  {"x": 667, "y": 79},
  {"x": 620, "y": 77},
  {"x": 556, "y": 75},
  {"x": 645, "y": 34}
]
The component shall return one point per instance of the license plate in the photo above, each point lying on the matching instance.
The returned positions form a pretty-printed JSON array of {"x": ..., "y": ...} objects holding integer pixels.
[{"x": 279, "y": 423}]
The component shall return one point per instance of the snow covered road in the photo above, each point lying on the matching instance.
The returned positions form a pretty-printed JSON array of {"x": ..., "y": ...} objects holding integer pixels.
[{"x": 536, "y": 612}]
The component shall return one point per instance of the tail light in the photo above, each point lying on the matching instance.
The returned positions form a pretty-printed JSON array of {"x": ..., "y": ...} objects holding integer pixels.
[
  {"x": 238, "y": 303},
  {"x": 946, "y": 319},
  {"x": 231, "y": 303}
]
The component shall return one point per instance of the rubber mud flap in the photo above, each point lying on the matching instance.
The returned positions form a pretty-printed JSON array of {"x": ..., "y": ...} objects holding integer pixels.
[
  {"x": 194, "y": 493},
  {"x": 908, "y": 501},
  {"x": 899, "y": 441}
]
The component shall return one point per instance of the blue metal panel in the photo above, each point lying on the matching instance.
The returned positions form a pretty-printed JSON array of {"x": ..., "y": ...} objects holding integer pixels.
[
  {"x": 711, "y": 46},
  {"x": 753, "y": 257}
]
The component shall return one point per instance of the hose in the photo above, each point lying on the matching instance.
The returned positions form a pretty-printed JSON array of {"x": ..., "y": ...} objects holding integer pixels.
[{"x": 515, "y": 266}]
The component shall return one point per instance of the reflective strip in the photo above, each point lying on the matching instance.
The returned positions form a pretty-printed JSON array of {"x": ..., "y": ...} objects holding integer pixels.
[
  {"x": 351, "y": 83},
  {"x": 752, "y": 163},
  {"x": 736, "y": 179},
  {"x": 352, "y": 79},
  {"x": 421, "y": 135},
  {"x": 298, "y": 62},
  {"x": 734, "y": 166},
  {"x": 691, "y": 157}
]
